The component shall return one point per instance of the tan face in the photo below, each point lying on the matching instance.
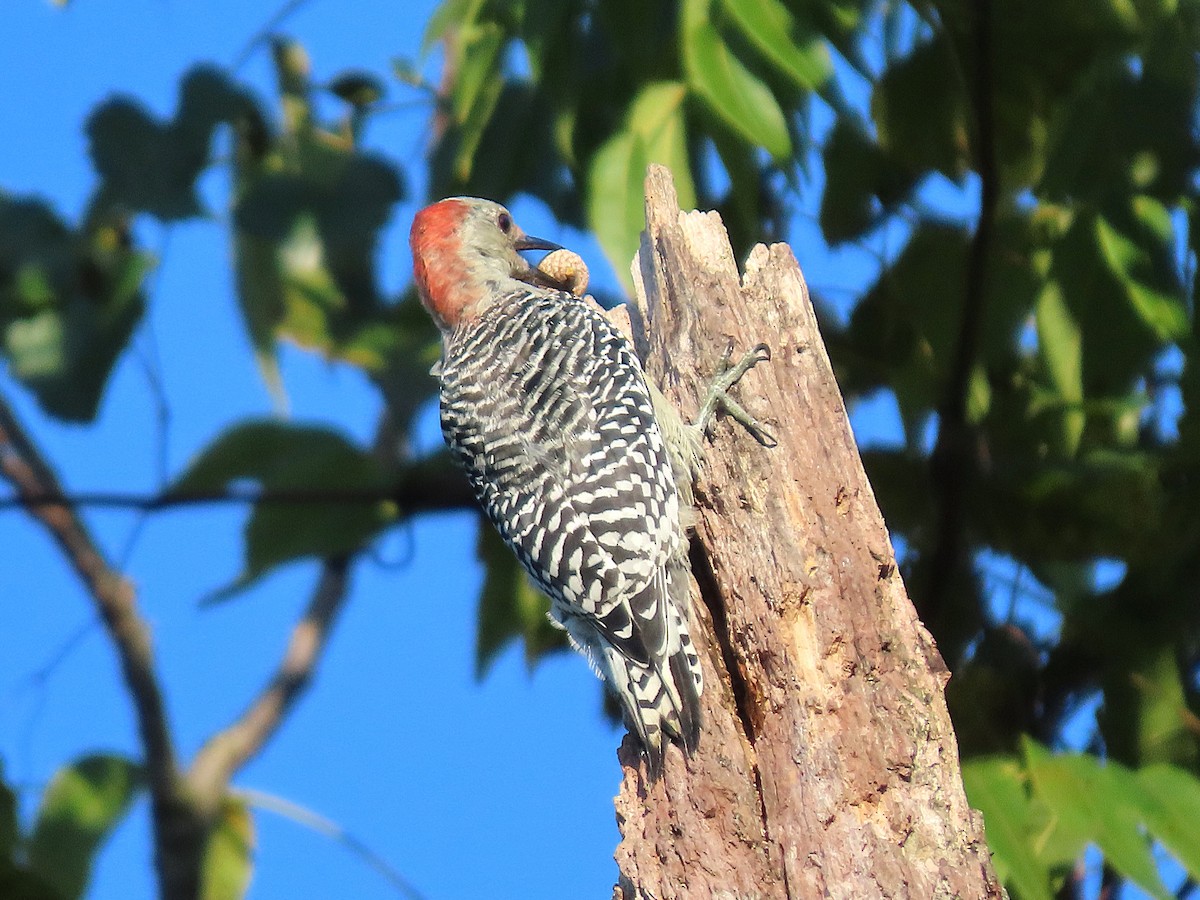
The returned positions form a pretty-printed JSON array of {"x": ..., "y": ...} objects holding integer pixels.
[{"x": 465, "y": 252}]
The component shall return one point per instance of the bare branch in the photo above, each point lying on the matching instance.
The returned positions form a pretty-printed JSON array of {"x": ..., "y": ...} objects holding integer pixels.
[
  {"x": 116, "y": 601},
  {"x": 229, "y": 750},
  {"x": 432, "y": 485},
  {"x": 335, "y": 832},
  {"x": 266, "y": 32},
  {"x": 951, "y": 460}
]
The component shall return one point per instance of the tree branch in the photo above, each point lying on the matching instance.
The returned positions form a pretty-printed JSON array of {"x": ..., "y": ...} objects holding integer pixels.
[
  {"x": 227, "y": 751},
  {"x": 432, "y": 485},
  {"x": 116, "y": 601},
  {"x": 951, "y": 462}
]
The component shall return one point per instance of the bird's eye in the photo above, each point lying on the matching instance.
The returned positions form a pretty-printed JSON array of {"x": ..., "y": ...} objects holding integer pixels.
[{"x": 505, "y": 222}]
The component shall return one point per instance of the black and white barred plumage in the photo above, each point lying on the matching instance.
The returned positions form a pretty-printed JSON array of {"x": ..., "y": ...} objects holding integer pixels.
[{"x": 545, "y": 407}]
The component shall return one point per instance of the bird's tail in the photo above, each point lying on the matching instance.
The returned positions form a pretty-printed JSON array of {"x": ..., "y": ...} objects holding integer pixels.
[{"x": 661, "y": 698}]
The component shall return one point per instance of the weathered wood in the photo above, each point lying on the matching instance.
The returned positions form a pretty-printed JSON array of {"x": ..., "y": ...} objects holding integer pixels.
[{"x": 827, "y": 766}]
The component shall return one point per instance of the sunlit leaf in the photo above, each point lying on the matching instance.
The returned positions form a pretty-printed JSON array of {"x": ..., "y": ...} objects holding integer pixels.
[
  {"x": 996, "y": 787},
  {"x": 477, "y": 88},
  {"x": 615, "y": 203},
  {"x": 229, "y": 858},
  {"x": 1171, "y": 798},
  {"x": 742, "y": 101},
  {"x": 1095, "y": 804},
  {"x": 81, "y": 806},
  {"x": 1117, "y": 344},
  {"x": 795, "y": 50},
  {"x": 654, "y": 133},
  {"x": 1060, "y": 345},
  {"x": 657, "y": 116},
  {"x": 449, "y": 16},
  {"x": 1163, "y": 313}
]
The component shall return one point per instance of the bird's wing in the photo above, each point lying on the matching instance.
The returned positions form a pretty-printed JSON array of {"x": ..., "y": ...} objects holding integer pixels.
[{"x": 547, "y": 410}]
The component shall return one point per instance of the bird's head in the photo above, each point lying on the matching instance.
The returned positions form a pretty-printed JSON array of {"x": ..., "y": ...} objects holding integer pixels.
[{"x": 465, "y": 254}]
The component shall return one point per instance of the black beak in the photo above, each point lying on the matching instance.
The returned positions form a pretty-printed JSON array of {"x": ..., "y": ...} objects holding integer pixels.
[
  {"x": 525, "y": 242},
  {"x": 537, "y": 276}
]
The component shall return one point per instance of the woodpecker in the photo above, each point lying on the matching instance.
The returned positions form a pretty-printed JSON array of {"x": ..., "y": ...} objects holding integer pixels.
[{"x": 545, "y": 408}]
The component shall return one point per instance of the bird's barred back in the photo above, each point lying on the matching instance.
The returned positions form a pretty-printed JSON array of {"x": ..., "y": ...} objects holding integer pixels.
[{"x": 545, "y": 407}]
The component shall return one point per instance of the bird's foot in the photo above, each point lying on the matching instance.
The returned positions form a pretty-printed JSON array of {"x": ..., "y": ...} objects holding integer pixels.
[{"x": 718, "y": 394}]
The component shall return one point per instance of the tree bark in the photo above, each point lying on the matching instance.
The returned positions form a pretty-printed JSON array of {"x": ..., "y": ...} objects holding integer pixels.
[{"x": 827, "y": 765}]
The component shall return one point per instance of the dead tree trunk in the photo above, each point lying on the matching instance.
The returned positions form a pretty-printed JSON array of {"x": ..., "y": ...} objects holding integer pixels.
[{"x": 827, "y": 766}]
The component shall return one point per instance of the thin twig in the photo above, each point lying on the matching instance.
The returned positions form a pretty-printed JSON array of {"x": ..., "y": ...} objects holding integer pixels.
[
  {"x": 335, "y": 832},
  {"x": 266, "y": 32},
  {"x": 227, "y": 751},
  {"x": 147, "y": 355}
]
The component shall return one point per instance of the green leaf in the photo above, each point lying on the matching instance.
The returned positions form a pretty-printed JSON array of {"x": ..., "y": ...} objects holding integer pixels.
[
  {"x": 294, "y": 458},
  {"x": 1060, "y": 345},
  {"x": 479, "y": 52},
  {"x": 1095, "y": 804},
  {"x": 357, "y": 88},
  {"x": 655, "y": 132},
  {"x": 449, "y": 16},
  {"x": 476, "y": 90},
  {"x": 1145, "y": 718},
  {"x": 1123, "y": 131},
  {"x": 1162, "y": 312},
  {"x": 920, "y": 110},
  {"x": 862, "y": 184},
  {"x": 305, "y": 245},
  {"x": 69, "y": 302},
  {"x": 151, "y": 166},
  {"x": 615, "y": 205},
  {"x": 657, "y": 116},
  {"x": 905, "y": 337},
  {"x": 1170, "y": 799},
  {"x": 519, "y": 144},
  {"x": 727, "y": 87},
  {"x": 229, "y": 857},
  {"x": 795, "y": 50},
  {"x": 1117, "y": 344},
  {"x": 996, "y": 787},
  {"x": 510, "y": 607},
  {"x": 21, "y": 884},
  {"x": 82, "y": 805}
]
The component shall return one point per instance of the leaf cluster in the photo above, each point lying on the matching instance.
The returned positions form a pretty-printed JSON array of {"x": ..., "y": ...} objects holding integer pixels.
[{"x": 79, "y": 809}]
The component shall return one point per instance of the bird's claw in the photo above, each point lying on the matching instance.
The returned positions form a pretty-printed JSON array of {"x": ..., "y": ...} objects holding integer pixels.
[{"x": 718, "y": 393}]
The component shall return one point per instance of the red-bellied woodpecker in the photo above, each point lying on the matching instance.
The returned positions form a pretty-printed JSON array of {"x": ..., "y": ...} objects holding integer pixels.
[{"x": 545, "y": 407}]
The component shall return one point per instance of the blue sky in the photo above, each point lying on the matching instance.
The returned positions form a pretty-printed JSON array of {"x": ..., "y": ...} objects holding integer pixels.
[{"x": 501, "y": 788}]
